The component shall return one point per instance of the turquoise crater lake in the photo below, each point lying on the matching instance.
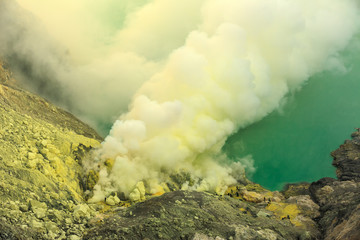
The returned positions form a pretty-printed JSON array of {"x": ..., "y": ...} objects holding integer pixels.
[{"x": 294, "y": 144}]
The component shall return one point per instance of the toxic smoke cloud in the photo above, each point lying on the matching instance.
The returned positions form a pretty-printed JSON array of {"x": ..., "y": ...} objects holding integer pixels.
[
  {"x": 197, "y": 70},
  {"x": 232, "y": 70},
  {"x": 68, "y": 52}
]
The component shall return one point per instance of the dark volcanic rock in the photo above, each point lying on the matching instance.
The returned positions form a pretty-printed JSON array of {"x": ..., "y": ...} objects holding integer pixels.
[
  {"x": 348, "y": 229},
  {"x": 339, "y": 204},
  {"x": 192, "y": 215},
  {"x": 296, "y": 189},
  {"x": 339, "y": 200},
  {"x": 347, "y": 159}
]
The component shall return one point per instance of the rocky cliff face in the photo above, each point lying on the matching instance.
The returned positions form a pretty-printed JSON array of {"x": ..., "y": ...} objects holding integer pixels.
[
  {"x": 42, "y": 185},
  {"x": 339, "y": 200},
  {"x": 347, "y": 159}
]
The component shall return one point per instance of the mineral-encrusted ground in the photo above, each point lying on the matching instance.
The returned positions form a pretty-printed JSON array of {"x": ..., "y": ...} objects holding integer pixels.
[
  {"x": 194, "y": 215},
  {"x": 41, "y": 148}
]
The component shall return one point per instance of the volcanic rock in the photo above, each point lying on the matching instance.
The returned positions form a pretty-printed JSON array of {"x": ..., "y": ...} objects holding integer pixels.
[
  {"x": 192, "y": 215},
  {"x": 347, "y": 159},
  {"x": 339, "y": 200},
  {"x": 41, "y": 147}
]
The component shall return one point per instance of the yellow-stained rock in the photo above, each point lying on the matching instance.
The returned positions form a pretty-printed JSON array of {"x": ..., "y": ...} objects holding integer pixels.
[
  {"x": 138, "y": 194},
  {"x": 91, "y": 179},
  {"x": 41, "y": 151},
  {"x": 32, "y": 143},
  {"x": 254, "y": 197},
  {"x": 285, "y": 211},
  {"x": 112, "y": 200},
  {"x": 31, "y": 155},
  {"x": 253, "y": 193},
  {"x": 109, "y": 163}
]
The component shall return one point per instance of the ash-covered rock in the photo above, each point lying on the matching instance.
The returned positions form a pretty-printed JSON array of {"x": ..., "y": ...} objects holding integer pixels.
[{"x": 193, "y": 215}]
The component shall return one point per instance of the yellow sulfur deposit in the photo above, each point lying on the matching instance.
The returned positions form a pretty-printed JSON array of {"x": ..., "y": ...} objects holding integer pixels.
[
  {"x": 285, "y": 211},
  {"x": 41, "y": 148}
]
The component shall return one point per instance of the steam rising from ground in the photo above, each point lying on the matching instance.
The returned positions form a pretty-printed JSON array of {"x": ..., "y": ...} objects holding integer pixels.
[
  {"x": 207, "y": 68},
  {"x": 232, "y": 70}
]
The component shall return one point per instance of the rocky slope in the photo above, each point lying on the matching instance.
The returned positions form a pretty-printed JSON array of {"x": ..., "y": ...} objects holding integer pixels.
[
  {"x": 198, "y": 215},
  {"x": 41, "y": 147},
  {"x": 42, "y": 185}
]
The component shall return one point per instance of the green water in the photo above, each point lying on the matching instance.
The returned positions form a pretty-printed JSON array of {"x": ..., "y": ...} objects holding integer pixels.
[{"x": 295, "y": 144}]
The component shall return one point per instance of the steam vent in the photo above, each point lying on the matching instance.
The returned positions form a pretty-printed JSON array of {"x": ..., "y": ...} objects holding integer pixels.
[{"x": 189, "y": 120}]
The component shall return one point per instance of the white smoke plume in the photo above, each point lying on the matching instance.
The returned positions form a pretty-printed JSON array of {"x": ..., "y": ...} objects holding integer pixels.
[
  {"x": 67, "y": 52},
  {"x": 233, "y": 69},
  {"x": 92, "y": 54},
  {"x": 206, "y": 69}
]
